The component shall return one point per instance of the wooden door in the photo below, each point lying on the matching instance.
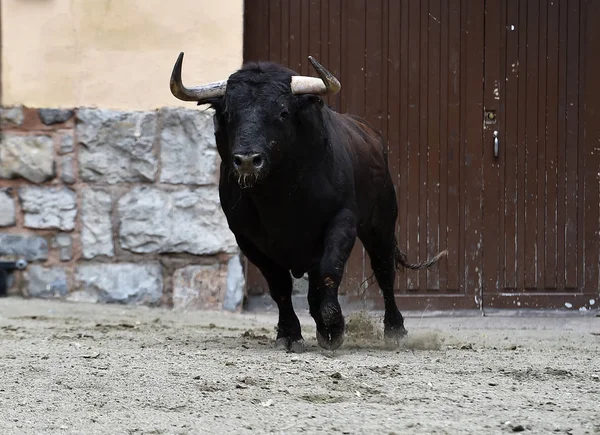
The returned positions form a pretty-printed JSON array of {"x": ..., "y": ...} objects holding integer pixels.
[
  {"x": 438, "y": 78},
  {"x": 540, "y": 209}
]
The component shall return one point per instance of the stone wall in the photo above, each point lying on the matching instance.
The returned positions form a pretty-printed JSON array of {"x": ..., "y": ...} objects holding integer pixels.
[{"x": 111, "y": 206}]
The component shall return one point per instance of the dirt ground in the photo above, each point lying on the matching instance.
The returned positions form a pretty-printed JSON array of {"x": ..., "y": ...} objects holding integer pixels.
[{"x": 94, "y": 369}]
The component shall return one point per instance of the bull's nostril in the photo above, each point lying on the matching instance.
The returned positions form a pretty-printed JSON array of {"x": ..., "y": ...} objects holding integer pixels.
[
  {"x": 237, "y": 161},
  {"x": 257, "y": 161}
]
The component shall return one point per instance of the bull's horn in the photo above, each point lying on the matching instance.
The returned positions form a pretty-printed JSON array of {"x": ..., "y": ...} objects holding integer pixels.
[
  {"x": 199, "y": 93},
  {"x": 327, "y": 84}
]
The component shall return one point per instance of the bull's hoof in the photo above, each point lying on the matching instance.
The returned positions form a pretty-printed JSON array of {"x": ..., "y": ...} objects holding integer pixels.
[
  {"x": 289, "y": 344},
  {"x": 330, "y": 335},
  {"x": 329, "y": 342},
  {"x": 393, "y": 335}
]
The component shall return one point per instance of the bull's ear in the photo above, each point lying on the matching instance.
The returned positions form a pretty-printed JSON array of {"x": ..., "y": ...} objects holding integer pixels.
[
  {"x": 310, "y": 101},
  {"x": 215, "y": 103}
]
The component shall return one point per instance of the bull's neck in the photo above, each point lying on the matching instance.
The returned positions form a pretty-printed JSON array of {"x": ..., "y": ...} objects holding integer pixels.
[{"x": 290, "y": 176}]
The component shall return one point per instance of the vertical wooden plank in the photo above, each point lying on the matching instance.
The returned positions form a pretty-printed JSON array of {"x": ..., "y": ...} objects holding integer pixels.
[
  {"x": 561, "y": 141},
  {"x": 462, "y": 259},
  {"x": 472, "y": 142},
  {"x": 510, "y": 143},
  {"x": 256, "y": 26},
  {"x": 522, "y": 143},
  {"x": 275, "y": 37},
  {"x": 551, "y": 212},
  {"x": 531, "y": 148},
  {"x": 385, "y": 57},
  {"x": 443, "y": 143},
  {"x": 572, "y": 182},
  {"x": 423, "y": 145},
  {"x": 373, "y": 63},
  {"x": 325, "y": 40},
  {"x": 541, "y": 145},
  {"x": 393, "y": 119},
  {"x": 454, "y": 144},
  {"x": 314, "y": 33},
  {"x": 492, "y": 185},
  {"x": 589, "y": 133},
  {"x": 581, "y": 263},
  {"x": 355, "y": 55},
  {"x": 335, "y": 48},
  {"x": 344, "y": 53},
  {"x": 432, "y": 138},
  {"x": 295, "y": 44},
  {"x": 304, "y": 38},
  {"x": 501, "y": 159},
  {"x": 403, "y": 144},
  {"x": 412, "y": 145},
  {"x": 285, "y": 32}
]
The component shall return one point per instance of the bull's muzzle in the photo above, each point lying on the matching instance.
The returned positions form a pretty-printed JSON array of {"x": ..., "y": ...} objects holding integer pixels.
[{"x": 248, "y": 168}]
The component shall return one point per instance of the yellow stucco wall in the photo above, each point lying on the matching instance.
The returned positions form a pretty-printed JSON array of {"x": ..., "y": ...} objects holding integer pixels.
[{"x": 114, "y": 53}]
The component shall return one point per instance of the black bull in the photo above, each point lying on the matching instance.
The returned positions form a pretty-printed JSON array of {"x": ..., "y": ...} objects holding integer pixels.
[{"x": 299, "y": 182}]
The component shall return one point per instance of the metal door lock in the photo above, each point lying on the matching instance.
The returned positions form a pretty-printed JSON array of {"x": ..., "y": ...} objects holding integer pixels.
[{"x": 490, "y": 117}]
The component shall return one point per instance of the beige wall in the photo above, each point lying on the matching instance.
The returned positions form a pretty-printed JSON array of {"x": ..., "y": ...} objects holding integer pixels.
[{"x": 114, "y": 53}]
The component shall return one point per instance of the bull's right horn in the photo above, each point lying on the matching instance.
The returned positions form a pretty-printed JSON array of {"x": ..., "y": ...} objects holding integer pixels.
[{"x": 199, "y": 93}]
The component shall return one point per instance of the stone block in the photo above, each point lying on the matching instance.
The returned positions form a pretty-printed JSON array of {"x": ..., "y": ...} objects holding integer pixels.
[
  {"x": 67, "y": 175},
  {"x": 31, "y": 248},
  {"x": 54, "y": 116},
  {"x": 188, "y": 152},
  {"x": 48, "y": 207},
  {"x": 7, "y": 208},
  {"x": 64, "y": 243},
  {"x": 116, "y": 146},
  {"x": 45, "y": 282},
  {"x": 125, "y": 283},
  {"x": 13, "y": 115},
  {"x": 29, "y": 157},
  {"x": 96, "y": 235},
  {"x": 157, "y": 221},
  {"x": 234, "y": 296},
  {"x": 199, "y": 287},
  {"x": 66, "y": 143}
]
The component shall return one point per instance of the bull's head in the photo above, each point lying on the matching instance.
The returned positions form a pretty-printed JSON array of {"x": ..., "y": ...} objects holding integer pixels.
[{"x": 258, "y": 113}]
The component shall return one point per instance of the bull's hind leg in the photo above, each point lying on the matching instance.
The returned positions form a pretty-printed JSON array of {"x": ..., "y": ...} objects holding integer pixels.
[
  {"x": 289, "y": 333},
  {"x": 325, "y": 280},
  {"x": 381, "y": 245},
  {"x": 379, "y": 241}
]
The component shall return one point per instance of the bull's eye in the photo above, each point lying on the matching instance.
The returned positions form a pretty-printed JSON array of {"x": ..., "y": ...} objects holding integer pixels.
[{"x": 284, "y": 114}]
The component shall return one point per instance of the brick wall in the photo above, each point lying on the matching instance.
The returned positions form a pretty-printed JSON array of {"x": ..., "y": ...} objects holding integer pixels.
[{"x": 112, "y": 206}]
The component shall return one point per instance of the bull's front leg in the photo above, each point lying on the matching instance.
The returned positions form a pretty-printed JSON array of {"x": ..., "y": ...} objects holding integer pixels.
[
  {"x": 326, "y": 277},
  {"x": 280, "y": 286}
]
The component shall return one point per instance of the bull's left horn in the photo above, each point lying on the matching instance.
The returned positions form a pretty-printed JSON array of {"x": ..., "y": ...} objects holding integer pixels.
[
  {"x": 200, "y": 93},
  {"x": 327, "y": 84}
]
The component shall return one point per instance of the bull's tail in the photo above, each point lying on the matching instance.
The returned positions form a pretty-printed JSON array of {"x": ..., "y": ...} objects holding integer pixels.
[{"x": 402, "y": 260}]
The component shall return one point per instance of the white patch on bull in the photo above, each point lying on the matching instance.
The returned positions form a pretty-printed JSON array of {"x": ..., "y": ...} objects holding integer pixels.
[
  {"x": 512, "y": 27},
  {"x": 568, "y": 305},
  {"x": 592, "y": 301},
  {"x": 582, "y": 309}
]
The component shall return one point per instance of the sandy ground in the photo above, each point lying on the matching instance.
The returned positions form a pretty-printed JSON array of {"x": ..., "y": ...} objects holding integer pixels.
[{"x": 92, "y": 369}]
